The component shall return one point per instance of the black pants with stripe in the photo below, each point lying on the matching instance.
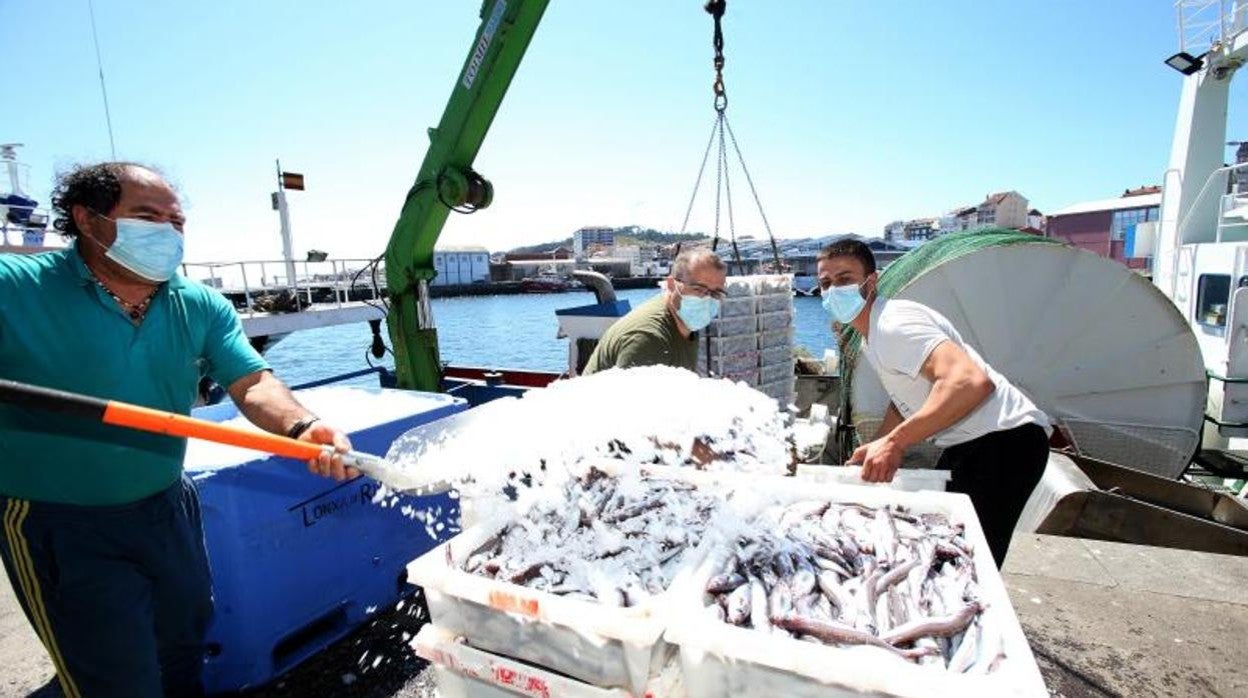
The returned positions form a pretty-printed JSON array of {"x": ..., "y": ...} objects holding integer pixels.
[
  {"x": 120, "y": 596},
  {"x": 998, "y": 471}
]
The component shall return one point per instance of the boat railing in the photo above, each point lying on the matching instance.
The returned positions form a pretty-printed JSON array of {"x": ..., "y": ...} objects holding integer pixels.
[
  {"x": 1204, "y": 24},
  {"x": 329, "y": 282}
]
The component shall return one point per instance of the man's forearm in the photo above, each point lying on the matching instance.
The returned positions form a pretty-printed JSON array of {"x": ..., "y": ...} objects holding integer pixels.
[{"x": 268, "y": 403}]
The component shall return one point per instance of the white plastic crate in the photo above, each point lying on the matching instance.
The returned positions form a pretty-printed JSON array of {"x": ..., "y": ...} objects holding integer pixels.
[
  {"x": 732, "y": 326},
  {"x": 769, "y": 322},
  {"x": 467, "y": 672},
  {"x": 775, "y": 356},
  {"x": 606, "y": 646},
  {"x": 775, "y": 302},
  {"x": 777, "y": 373},
  {"x": 738, "y": 286},
  {"x": 718, "y": 659},
  {"x": 731, "y": 345},
  {"x": 734, "y": 307},
  {"x": 781, "y": 391},
  {"x": 771, "y": 283},
  {"x": 906, "y": 479},
  {"x": 776, "y": 338},
  {"x": 748, "y": 376},
  {"x": 729, "y": 364}
]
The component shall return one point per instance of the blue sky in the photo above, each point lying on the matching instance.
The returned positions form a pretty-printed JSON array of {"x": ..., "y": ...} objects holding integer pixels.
[{"x": 850, "y": 114}]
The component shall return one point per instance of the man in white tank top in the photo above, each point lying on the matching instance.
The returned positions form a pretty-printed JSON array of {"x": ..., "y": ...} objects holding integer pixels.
[{"x": 995, "y": 438}]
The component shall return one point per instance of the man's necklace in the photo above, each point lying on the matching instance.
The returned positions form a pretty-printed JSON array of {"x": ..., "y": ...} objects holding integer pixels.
[{"x": 135, "y": 311}]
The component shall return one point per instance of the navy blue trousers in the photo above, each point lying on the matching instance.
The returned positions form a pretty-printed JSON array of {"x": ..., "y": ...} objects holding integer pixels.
[{"x": 120, "y": 596}]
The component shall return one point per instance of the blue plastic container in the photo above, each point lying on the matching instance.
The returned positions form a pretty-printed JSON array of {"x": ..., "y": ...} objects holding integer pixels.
[{"x": 300, "y": 560}]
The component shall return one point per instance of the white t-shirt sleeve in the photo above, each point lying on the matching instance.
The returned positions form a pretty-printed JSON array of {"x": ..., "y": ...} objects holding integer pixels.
[{"x": 905, "y": 336}]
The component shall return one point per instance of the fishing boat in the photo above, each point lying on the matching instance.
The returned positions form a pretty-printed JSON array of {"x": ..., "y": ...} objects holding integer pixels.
[
  {"x": 23, "y": 221},
  {"x": 548, "y": 281}
]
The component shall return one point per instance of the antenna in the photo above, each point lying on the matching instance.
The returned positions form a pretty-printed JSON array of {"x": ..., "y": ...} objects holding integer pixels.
[{"x": 108, "y": 118}]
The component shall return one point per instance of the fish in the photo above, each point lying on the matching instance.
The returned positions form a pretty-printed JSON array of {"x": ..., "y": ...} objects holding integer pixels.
[
  {"x": 804, "y": 578},
  {"x": 839, "y": 634},
  {"x": 933, "y": 627},
  {"x": 898, "y": 573},
  {"x": 738, "y": 608},
  {"x": 780, "y": 601},
  {"x": 964, "y": 655},
  {"x": 853, "y": 574},
  {"x": 724, "y": 583},
  {"x": 758, "y": 605},
  {"x": 642, "y": 525}
]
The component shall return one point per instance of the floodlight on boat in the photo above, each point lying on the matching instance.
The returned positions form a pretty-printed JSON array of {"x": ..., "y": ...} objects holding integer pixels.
[{"x": 1185, "y": 62}]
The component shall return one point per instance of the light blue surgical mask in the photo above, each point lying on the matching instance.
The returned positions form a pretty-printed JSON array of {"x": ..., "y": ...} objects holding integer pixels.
[
  {"x": 148, "y": 249},
  {"x": 697, "y": 312},
  {"x": 843, "y": 303}
]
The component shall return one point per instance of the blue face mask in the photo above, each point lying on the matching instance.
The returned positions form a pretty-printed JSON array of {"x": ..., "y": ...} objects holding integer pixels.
[
  {"x": 843, "y": 303},
  {"x": 146, "y": 248},
  {"x": 697, "y": 312}
]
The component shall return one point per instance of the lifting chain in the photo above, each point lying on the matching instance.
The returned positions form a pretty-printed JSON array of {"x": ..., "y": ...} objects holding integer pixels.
[{"x": 716, "y": 9}]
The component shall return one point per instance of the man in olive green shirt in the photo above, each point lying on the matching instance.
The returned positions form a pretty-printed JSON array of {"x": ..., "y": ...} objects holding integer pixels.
[{"x": 660, "y": 331}]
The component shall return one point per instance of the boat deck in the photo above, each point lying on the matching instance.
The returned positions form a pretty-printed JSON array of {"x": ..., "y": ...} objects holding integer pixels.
[
  {"x": 1104, "y": 619},
  {"x": 257, "y": 324}
]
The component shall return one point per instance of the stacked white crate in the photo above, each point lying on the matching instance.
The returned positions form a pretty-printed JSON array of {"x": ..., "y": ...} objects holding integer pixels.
[{"x": 752, "y": 339}]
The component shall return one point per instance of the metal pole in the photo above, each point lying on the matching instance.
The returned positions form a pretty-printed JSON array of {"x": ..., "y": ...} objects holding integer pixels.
[
  {"x": 246, "y": 287},
  {"x": 283, "y": 213},
  {"x": 108, "y": 118}
]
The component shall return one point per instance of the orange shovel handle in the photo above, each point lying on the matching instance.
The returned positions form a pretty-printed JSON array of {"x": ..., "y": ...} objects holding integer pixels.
[{"x": 157, "y": 421}]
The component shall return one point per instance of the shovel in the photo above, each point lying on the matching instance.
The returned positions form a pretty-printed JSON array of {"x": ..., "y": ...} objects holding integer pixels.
[{"x": 130, "y": 416}]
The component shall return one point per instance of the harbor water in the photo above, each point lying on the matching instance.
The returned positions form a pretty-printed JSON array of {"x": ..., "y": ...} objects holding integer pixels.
[{"x": 514, "y": 331}]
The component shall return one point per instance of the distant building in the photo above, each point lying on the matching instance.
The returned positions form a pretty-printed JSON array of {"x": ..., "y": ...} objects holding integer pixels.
[
  {"x": 895, "y": 231},
  {"x": 1121, "y": 228},
  {"x": 630, "y": 252},
  {"x": 920, "y": 229},
  {"x": 583, "y": 238},
  {"x": 1035, "y": 220},
  {"x": 964, "y": 218},
  {"x": 1006, "y": 209},
  {"x": 459, "y": 265}
]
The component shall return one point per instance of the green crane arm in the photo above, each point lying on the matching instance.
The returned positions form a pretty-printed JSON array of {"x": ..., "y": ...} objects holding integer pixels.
[{"x": 446, "y": 181}]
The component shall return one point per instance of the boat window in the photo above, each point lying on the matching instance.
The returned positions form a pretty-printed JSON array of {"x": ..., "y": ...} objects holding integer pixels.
[{"x": 1212, "y": 296}]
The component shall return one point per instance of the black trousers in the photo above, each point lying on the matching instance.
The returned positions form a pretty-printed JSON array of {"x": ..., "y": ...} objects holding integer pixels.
[
  {"x": 120, "y": 596},
  {"x": 998, "y": 471}
]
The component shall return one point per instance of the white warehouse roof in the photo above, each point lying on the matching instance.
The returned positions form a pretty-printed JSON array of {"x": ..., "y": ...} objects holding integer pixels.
[{"x": 1115, "y": 204}]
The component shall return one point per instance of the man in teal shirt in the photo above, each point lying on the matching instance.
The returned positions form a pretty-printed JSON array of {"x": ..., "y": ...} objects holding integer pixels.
[{"x": 102, "y": 539}]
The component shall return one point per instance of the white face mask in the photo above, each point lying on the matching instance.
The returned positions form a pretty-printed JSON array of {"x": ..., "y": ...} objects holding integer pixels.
[
  {"x": 148, "y": 249},
  {"x": 844, "y": 303}
]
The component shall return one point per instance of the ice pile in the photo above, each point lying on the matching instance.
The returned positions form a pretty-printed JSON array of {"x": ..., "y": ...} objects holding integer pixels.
[{"x": 654, "y": 415}]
